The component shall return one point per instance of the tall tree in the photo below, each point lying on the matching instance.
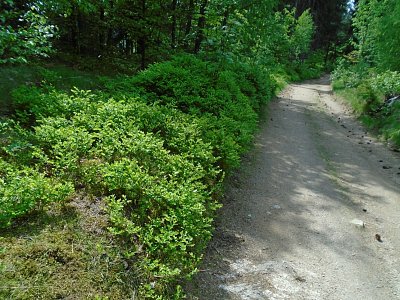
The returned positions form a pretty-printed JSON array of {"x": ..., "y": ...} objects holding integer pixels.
[
  {"x": 327, "y": 15},
  {"x": 376, "y": 30}
]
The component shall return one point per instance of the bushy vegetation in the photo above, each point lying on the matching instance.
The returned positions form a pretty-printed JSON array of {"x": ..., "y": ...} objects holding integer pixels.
[
  {"x": 22, "y": 191},
  {"x": 134, "y": 161},
  {"x": 51, "y": 74},
  {"x": 369, "y": 94},
  {"x": 24, "y": 33},
  {"x": 369, "y": 76},
  {"x": 153, "y": 147}
]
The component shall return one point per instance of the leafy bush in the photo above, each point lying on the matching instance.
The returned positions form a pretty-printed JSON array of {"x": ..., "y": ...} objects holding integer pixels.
[
  {"x": 225, "y": 97},
  {"x": 23, "y": 190},
  {"x": 154, "y": 169},
  {"x": 366, "y": 91},
  {"x": 23, "y": 34},
  {"x": 387, "y": 83},
  {"x": 155, "y": 151},
  {"x": 33, "y": 103},
  {"x": 17, "y": 144}
]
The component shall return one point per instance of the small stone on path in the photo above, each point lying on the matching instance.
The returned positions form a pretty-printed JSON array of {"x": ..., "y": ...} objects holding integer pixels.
[{"x": 357, "y": 223}]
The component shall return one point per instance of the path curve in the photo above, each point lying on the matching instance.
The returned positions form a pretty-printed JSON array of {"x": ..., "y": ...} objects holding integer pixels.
[{"x": 285, "y": 230}]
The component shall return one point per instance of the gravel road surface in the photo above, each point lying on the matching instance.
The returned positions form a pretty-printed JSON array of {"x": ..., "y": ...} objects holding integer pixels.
[{"x": 314, "y": 212}]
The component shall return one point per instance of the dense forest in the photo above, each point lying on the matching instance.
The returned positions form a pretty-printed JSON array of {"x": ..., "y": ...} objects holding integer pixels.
[{"x": 120, "y": 120}]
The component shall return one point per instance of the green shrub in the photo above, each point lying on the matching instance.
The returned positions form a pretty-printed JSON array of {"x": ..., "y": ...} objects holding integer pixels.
[
  {"x": 24, "y": 190},
  {"x": 157, "y": 173},
  {"x": 350, "y": 75},
  {"x": 155, "y": 151},
  {"x": 370, "y": 100},
  {"x": 226, "y": 98},
  {"x": 17, "y": 144},
  {"x": 366, "y": 91},
  {"x": 387, "y": 83},
  {"x": 33, "y": 103}
]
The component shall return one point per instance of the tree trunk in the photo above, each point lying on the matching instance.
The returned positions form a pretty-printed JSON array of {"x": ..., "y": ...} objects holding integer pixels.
[
  {"x": 142, "y": 38},
  {"x": 188, "y": 26},
  {"x": 101, "y": 32},
  {"x": 109, "y": 29},
  {"x": 224, "y": 25},
  {"x": 75, "y": 30},
  {"x": 173, "y": 24},
  {"x": 200, "y": 26}
]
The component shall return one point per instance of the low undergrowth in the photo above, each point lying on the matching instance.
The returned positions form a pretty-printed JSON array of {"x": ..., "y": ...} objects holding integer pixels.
[
  {"x": 369, "y": 92},
  {"x": 59, "y": 76},
  {"x": 147, "y": 153}
]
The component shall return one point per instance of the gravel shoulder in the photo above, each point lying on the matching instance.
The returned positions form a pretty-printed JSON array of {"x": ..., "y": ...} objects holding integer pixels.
[{"x": 286, "y": 231}]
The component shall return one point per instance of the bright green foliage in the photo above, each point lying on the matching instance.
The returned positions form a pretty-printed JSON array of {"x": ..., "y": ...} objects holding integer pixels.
[
  {"x": 386, "y": 83},
  {"x": 23, "y": 33},
  {"x": 300, "y": 41},
  {"x": 366, "y": 90},
  {"x": 376, "y": 30},
  {"x": 293, "y": 36},
  {"x": 225, "y": 98},
  {"x": 24, "y": 190},
  {"x": 153, "y": 147},
  {"x": 159, "y": 192},
  {"x": 255, "y": 32},
  {"x": 388, "y": 43},
  {"x": 328, "y": 17},
  {"x": 371, "y": 72},
  {"x": 150, "y": 162}
]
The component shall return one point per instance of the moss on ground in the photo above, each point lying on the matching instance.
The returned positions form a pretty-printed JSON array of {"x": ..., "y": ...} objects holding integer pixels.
[{"x": 64, "y": 253}]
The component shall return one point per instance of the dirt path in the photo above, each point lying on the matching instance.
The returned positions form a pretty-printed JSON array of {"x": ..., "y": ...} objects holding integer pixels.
[{"x": 285, "y": 231}]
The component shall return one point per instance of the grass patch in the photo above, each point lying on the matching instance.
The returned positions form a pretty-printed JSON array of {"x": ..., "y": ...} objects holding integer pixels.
[
  {"x": 61, "y": 77},
  {"x": 351, "y": 97},
  {"x": 371, "y": 111},
  {"x": 64, "y": 252}
]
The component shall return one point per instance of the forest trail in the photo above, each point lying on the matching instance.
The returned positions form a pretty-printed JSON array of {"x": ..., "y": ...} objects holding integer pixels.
[{"x": 286, "y": 232}]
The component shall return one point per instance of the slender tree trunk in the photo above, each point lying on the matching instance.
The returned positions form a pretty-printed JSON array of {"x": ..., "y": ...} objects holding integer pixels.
[
  {"x": 109, "y": 29},
  {"x": 101, "y": 32},
  {"x": 173, "y": 24},
  {"x": 188, "y": 27},
  {"x": 75, "y": 30},
  {"x": 142, "y": 38},
  {"x": 200, "y": 26},
  {"x": 224, "y": 26}
]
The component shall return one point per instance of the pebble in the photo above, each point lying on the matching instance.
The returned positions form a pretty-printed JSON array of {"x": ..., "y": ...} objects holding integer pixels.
[
  {"x": 357, "y": 223},
  {"x": 378, "y": 237}
]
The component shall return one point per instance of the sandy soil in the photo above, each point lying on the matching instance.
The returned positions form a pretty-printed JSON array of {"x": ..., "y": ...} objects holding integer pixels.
[{"x": 286, "y": 231}]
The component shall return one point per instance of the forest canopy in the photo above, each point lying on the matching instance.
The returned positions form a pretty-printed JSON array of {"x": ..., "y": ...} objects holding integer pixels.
[{"x": 146, "y": 31}]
